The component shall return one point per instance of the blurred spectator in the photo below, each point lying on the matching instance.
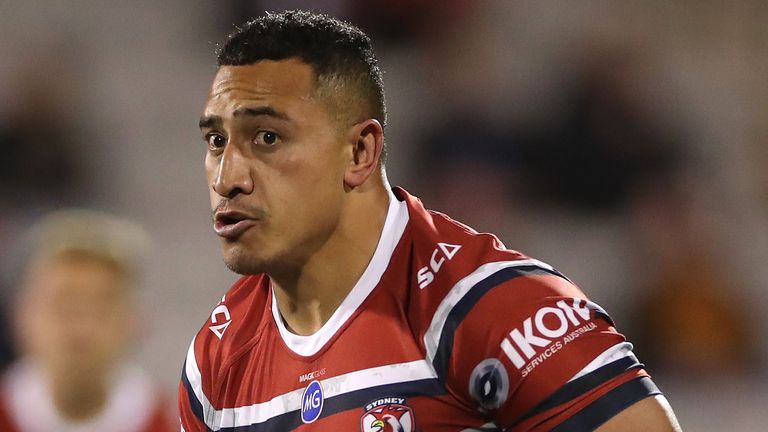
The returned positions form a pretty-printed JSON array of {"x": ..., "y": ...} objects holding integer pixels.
[
  {"x": 39, "y": 132},
  {"x": 594, "y": 153},
  {"x": 386, "y": 21},
  {"x": 403, "y": 21},
  {"x": 75, "y": 325},
  {"x": 6, "y": 347},
  {"x": 690, "y": 322},
  {"x": 470, "y": 171},
  {"x": 40, "y": 129},
  {"x": 605, "y": 144}
]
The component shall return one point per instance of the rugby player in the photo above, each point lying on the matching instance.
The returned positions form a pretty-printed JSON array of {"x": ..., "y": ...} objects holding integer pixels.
[{"x": 358, "y": 308}]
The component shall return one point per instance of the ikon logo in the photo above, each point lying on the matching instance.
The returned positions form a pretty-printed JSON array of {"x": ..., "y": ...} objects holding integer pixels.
[
  {"x": 442, "y": 252},
  {"x": 216, "y": 328},
  {"x": 537, "y": 332}
]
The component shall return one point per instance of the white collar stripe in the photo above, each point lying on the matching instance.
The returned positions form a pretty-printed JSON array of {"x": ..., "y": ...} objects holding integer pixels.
[
  {"x": 394, "y": 226},
  {"x": 340, "y": 385}
]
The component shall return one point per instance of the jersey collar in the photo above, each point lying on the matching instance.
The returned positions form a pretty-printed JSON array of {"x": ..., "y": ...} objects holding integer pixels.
[{"x": 394, "y": 226}]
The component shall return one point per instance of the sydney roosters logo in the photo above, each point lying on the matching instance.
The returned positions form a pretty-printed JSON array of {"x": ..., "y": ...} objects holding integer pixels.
[{"x": 388, "y": 414}]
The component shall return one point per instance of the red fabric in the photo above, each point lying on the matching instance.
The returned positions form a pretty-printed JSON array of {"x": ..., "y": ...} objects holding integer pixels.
[{"x": 251, "y": 364}]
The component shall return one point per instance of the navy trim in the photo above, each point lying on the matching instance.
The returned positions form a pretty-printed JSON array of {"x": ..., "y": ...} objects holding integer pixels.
[
  {"x": 194, "y": 404},
  {"x": 584, "y": 384},
  {"x": 610, "y": 404},
  {"x": 358, "y": 399},
  {"x": 462, "y": 308},
  {"x": 345, "y": 402}
]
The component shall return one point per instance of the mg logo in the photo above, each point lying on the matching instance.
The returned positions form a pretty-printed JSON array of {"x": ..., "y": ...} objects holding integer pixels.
[{"x": 312, "y": 402}]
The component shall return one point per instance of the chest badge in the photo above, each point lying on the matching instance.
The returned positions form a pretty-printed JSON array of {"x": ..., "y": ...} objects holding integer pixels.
[
  {"x": 389, "y": 414},
  {"x": 312, "y": 402}
]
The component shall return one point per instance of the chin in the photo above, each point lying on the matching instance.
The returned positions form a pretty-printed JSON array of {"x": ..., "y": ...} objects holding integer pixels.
[
  {"x": 243, "y": 262},
  {"x": 240, "y": 268}
]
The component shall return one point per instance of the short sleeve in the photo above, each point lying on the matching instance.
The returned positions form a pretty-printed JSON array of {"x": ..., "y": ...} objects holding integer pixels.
[{"x": 526, "y": 349}]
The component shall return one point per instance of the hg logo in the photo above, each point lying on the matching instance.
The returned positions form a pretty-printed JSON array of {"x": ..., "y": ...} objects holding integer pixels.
[{"x": 312, "y": 402}]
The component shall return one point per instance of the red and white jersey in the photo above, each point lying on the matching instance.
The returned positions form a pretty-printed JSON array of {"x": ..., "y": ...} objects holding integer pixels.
[
  {"x": 134, "y": 405},
  {"x": 446, "y": 330}
]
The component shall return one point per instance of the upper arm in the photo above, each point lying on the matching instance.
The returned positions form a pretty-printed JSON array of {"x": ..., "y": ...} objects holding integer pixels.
[
  {"x": 531, "y": 353},
  {"x": 649, "y": 415}
]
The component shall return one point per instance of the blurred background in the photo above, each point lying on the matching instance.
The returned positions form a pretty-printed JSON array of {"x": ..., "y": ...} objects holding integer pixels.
[{"x": 625, "y": 143}]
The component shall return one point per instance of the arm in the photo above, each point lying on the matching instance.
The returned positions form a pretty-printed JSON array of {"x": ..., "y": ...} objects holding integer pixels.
[
  {"x": 533, "y": 354},
  {"x": 649, "y": 415}
]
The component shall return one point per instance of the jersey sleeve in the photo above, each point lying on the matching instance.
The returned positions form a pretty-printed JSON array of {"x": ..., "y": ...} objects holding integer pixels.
[{"x": 522, "y": 345}]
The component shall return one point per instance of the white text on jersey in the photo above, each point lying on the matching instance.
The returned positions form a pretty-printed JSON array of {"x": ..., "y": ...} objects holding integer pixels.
[
  {"x": 220, "y": 310},
  {"x": 568, "y": 316},
  {"x": 442, "y": 252},
  {"x": 311, "y": 375}
]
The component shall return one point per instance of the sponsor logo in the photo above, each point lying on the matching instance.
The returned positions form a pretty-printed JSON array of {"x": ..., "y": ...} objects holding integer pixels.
[
  {"x": 443, "y": 252},
  {"x": 389, "y": 414},
  {"x": 311, "y": 375},
  {"x": 550, "y": 328},
  {"x": 312, "y": 402},
  {"x": 489, "y": 384},
  {"x": 220, "y": 315}
]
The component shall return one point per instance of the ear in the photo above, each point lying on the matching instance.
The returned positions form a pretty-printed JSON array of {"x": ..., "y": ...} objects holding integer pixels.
[{"x": 367, "y": 141}]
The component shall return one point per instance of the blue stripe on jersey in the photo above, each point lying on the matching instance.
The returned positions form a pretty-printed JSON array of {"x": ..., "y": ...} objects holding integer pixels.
[
  {"x": 347, "y": 401},
  {"x": 610, "y": 404},
  {"x": 462, "y": 308},
  {"x": 584, "y": 384},
  {"x": 194, "y": 404}
]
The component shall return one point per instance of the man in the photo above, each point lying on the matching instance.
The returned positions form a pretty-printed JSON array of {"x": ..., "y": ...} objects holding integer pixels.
[
  {"x": 75, "y": 320},
  {"x": 358, "y": 308}
]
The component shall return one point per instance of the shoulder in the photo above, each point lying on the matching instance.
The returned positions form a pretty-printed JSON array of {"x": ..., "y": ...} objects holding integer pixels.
[
  {"x": 454, "y": 265},
  {"x": 470, "y": 287},
  {"x": 510, "y": 335}
]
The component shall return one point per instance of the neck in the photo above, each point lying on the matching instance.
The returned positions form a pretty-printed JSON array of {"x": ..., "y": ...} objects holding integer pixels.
[
  {"x": 80, "y": 397},
  {"x": 308, "y": 297}
]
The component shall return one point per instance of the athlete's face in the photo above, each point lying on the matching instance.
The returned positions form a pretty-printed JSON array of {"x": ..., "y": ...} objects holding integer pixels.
[{"x": 275, "y": 164}]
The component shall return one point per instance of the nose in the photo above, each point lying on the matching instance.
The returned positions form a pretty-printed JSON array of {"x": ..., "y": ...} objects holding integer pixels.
[{"x": 233, "y": 174}]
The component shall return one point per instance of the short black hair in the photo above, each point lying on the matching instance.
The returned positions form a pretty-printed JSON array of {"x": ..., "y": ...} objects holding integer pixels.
[{"x": 340, "y": 53}]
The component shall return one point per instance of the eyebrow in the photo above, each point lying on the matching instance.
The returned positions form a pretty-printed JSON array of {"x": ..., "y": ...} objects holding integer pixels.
[{"x": 213, "y": 120}]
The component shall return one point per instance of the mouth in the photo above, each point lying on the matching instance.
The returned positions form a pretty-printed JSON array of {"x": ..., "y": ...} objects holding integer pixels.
[{"x": 231, "y": 224}]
